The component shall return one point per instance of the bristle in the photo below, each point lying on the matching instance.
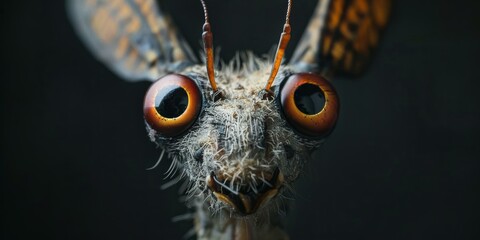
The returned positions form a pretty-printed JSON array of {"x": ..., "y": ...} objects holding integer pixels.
[{"x": 242, "y": 138}]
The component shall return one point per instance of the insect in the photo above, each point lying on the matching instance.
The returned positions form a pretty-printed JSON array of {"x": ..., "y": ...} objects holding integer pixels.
[{"x": 239, "y": 135}]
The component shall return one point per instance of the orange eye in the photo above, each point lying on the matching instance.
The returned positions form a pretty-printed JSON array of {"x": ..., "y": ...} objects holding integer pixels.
[
  {"x": 310, "y": 104},
  {"x": 172, "y": 104}
]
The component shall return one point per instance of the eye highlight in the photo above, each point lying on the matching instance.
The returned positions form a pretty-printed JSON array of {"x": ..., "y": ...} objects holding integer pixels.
[
  {"x": 310, "y": 104},
  {"x": 172, "y": 104}
]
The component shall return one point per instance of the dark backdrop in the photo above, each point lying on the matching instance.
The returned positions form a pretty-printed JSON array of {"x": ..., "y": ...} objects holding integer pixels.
[{"x": 401, "y": 164}]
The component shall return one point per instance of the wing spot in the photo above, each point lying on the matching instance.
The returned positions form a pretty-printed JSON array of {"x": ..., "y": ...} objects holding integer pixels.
[
  {"x": 338, "y": 51},
  {"x": 124, "y": 12},
  {"x": 336, "y": 14},
  {"x": 362, "y": 6},
  {"x": 103, "y": 24},
  {"x": 361, "y": 44},
  {"x": 134, "y": 25},
  {"x": 122, "y": 47},
  {"x": 327, "y": 42}
]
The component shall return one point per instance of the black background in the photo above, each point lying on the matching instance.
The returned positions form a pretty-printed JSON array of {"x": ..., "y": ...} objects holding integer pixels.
[{"x": 401, "y": 164}]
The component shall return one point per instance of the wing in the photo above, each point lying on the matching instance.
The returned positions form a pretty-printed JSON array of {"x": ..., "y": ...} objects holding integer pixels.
[
  {"x": 341, "y": 36},
  {"x": 132, "y": 37}
]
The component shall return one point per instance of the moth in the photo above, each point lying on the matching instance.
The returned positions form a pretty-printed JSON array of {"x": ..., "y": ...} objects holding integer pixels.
[{"x": 240, "y": 134}]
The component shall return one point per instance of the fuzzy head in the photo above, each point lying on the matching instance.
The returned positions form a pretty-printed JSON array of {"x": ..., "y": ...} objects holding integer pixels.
[{"x": 240, "y": 150}]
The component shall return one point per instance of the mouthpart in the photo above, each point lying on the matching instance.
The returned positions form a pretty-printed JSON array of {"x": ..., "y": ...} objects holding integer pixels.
[{"x": 246, "y": 199}]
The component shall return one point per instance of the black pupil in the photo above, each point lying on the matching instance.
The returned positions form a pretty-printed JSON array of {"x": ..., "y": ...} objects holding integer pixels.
[
  {"x": 171, "y": 102},
  {"x": 309, "y": 99}
]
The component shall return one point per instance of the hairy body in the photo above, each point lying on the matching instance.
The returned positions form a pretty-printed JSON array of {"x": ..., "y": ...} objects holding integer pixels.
[
  {"x": 240, "y": 141},
  {"x": 237, "y": 142}
]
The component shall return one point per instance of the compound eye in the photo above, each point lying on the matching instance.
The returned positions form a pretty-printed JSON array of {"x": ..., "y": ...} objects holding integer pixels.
[
  {"x": 310, "y": 104},
  {"x": 172, "y": 104}
]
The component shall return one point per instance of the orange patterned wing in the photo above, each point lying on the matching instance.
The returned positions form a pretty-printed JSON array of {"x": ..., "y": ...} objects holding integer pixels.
[
  {"x": 132, "y": 37},
  {"x": 342, "y": 35}
]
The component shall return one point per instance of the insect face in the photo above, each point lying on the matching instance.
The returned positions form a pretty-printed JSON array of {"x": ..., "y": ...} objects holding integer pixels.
[
  {"x": 242, "y": 150},
  {"x": 242, "y": 134},
  {"x": 250, "y": 139}
]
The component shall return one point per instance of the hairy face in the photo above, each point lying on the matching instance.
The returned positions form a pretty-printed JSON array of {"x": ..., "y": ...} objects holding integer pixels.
[{"x": 240, "y": 151}]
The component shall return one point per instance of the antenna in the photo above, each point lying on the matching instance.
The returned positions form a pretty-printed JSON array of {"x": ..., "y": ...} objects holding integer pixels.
[
  {"x": 282, "y": 45},
  {"x": 208, "y": 46}
]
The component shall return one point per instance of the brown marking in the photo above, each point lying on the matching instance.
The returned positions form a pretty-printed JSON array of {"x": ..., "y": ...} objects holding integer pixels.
[
  {"x": 336, "y": 12},
  {"x": 327, "y": 42},
  {"x": 145, "y": 6},
  {"x": 154, "y": 24},
  {"x": 122, "y": 46},
  {"x": 381, "y": 12},
  {"x": 352, "y": 15},
  {"x": 361, "y": 43},
  {"x": 346, "y": 31},
  {"x": 110, "y": 29},
  {"x": 361, "y": 6},
  {"x": 338, "y": 49},
  {"x": 98, "y": 22},
  {"x": 134, "y": 25},
  {"x": 352, "y": 26},
  {"x": 124, "y": 12}
]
